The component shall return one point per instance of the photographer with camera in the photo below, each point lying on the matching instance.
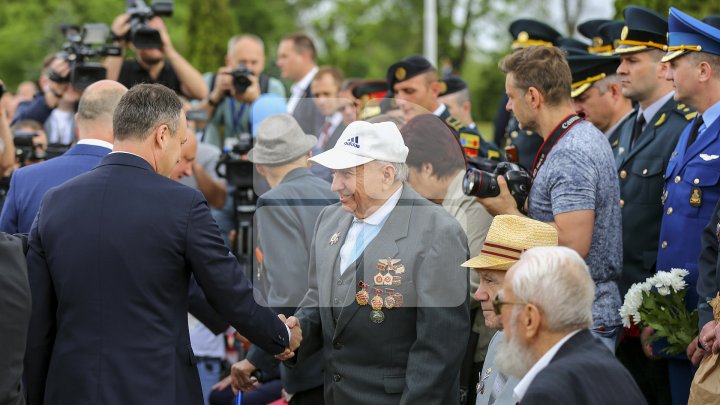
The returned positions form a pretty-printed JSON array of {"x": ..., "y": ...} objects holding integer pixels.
[
  {"x": 235, "y": 87},
  {"x": 574, "y": 183},
  {"x": 156, "y": 59}
]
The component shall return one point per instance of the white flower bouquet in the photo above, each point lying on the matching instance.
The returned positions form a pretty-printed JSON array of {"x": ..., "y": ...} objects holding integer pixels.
[{"x": 658, "y": 302}]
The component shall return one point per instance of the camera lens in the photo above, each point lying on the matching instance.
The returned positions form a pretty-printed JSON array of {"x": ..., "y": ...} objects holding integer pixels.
[{"x": 480, "y": 184}]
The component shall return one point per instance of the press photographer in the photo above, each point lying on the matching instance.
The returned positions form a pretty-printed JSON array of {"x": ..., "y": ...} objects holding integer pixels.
[
  {"x": 156, "y": 60},
  {"x": 234, "y": 88},
  {"x": 574, "y": 184}
]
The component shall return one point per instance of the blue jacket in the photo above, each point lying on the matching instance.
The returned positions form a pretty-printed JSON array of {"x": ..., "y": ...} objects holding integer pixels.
[{"x": 29, "y": 184}]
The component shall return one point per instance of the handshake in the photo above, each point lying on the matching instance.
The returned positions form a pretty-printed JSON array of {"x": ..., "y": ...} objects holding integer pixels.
[{"x": 241, "y": 373}]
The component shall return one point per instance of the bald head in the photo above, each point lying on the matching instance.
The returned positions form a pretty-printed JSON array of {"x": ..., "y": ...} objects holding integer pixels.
[{"x": 95, "y": 111}]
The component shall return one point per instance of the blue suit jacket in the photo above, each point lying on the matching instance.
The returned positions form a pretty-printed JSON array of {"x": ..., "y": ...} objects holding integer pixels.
[
  {"x": 29, "y": 184},
  {"x": 111, "y": 254}
]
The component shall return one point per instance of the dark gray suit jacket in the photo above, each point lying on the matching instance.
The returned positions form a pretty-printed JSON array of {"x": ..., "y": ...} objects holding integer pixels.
[
  {"x": 414, "y": 356},
  {"x": 14, "y": 319},
  {"x": 584, "y": 372},
  {"x": 307, "y": 114}
]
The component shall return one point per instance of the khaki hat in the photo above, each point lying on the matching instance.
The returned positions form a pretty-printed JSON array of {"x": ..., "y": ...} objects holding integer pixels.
[
  {"x": 280, "y": 140},
  {"x": 507, "y": 238}
]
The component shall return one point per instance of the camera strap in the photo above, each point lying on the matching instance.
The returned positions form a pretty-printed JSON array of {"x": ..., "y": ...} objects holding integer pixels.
[{"x": 555, "y": 137}]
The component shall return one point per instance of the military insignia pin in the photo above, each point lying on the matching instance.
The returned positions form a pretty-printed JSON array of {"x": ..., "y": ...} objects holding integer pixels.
[
  {"x": 400, "y": 73},
  {"x": 334, "y": 238},
  {"x": 717, "y": 231},
  {"x": 696, "y": 197}
]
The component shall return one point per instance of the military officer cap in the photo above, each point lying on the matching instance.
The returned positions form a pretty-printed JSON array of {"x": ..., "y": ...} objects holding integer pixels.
[
  {"x": 688, "y": 34},
  {"x": 589, "y": 28},
  {"x": 528, "y": 32},
  {"x": 572, "y": 46},
  {"x": 588, "y": 69},
  {"x": 644, "y": 29},
  {"x": 407, "y": 69},
  {"x": 713, "y": 20},
  {"x": 451, "y": 84},
  {"x": 603, "y": 33}
]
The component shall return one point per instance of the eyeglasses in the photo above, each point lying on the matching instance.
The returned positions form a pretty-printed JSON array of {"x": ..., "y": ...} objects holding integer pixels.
[{"x": 498, "y": 303}]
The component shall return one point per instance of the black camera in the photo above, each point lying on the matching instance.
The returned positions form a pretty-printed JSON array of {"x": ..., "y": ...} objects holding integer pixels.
[
  {"x": 26, "y": 149},
  {"x": 142, "y": 35},
  {"x": 483, "y": 184},
  {"x": 241, "y": 79},
  {"x": 79, "y": 48}
]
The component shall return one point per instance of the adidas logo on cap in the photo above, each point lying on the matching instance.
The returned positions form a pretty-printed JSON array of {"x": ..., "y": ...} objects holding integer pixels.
[{"x": 353, "y": 141}]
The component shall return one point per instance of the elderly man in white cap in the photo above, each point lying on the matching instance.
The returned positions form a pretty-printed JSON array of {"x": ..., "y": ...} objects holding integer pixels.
[
  {"x": 387, "y": 303},
  {"x": 284, "y": 220}
]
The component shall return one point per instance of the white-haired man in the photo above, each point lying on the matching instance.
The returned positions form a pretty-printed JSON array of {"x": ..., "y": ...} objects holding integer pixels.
[
  {"x": 387, "y": 302},
  {"x": 547, "y": 299}
]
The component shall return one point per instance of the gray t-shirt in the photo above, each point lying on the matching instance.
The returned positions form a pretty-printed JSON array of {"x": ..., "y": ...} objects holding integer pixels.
[{"x": 579, "y": 174}]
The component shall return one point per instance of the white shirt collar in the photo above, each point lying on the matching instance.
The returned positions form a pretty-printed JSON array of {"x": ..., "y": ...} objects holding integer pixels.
[
  {"x": 379, "y": 216},
  {"x": 438, "y": 111},
  {"x": 303, "y": 83},
  {"x": 653, "y": 108},
  {"x": 522, "y": 386},
  {"x": 95, "y": 142}
]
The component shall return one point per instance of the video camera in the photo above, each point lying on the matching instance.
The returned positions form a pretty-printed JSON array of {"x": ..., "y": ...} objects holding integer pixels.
[
  {"x": 142, "y": 35},
  {"x": 79, "y": 48},
  {"x": 483, "y": 184},
  {"x": 26, "y": 149}
]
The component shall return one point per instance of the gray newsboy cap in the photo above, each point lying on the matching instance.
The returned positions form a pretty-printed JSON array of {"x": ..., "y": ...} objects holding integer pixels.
[{"x": 280, "y": 140}]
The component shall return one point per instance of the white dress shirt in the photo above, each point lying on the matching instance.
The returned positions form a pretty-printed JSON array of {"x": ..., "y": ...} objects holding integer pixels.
[{"x": 297, "y": 90}]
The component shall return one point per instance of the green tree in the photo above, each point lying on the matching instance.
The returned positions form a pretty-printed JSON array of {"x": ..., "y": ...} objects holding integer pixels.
[{"x": 210, "y": 27}]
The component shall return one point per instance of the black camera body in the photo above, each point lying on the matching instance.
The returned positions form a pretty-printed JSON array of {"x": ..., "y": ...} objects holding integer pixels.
[
  {"x": 142, "y": 35},
  {"x": 25, "y": 148},
  {"x": 483, "y": 184},
  {"x": 78, "y": 49},
  {"x": 241, "y": 78}
]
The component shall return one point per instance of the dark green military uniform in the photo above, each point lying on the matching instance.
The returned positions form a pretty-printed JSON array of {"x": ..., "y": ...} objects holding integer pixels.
[{"x": 472, "y": 142}]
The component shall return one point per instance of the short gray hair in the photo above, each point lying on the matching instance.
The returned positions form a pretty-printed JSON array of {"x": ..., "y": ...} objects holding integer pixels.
[
  {"x": 604, "y": 84},
  {"x": 237, "y": 38},
  {"x": 556, "y": 280},
  {"x": 401, "y": 169},
  {"x": 143, "y": 108}
]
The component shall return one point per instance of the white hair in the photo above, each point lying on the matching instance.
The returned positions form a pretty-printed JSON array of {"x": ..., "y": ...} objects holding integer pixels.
[
  {"x": 556, "y": 280},
  {"x": 401, "y": 169}
]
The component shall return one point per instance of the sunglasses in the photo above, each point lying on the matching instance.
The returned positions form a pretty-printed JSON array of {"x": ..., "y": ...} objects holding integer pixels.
[{"x": 498, "y": 303}]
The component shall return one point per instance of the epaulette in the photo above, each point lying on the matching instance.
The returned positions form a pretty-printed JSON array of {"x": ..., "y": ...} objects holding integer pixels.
[
  {"x": 661, "y": 120},
  {"x": 690, "y": 116},
  {"x": 686, "y": 111},
  {"x": 454, "y": 123}
]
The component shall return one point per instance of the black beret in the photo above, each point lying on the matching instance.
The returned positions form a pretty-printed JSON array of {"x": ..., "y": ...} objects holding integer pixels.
[
  {"x": 407, "y": 69},
  {"x": 371, "y": 88},
  {"x": 588, "y": 69},
  {"x": 451, "y": 84},
  {"x": 644, "y": 28},
  {"x": 527, "y": 32}
]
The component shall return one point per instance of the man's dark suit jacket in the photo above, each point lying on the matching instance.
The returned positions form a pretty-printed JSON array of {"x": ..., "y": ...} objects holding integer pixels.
[
  {"x": 111, "y": 254},
  {"x": 584, "y": 372},
  {"x": 29, "y": 184},
  {"x": 14, "y": 318},
  {"x": 307, "y": 114}
]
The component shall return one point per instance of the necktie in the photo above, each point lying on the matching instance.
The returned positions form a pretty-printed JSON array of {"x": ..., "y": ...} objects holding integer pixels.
[
  {"x": 694, "y": 130},
  {"x": 324, "y": 136},
  {"x": 637, "y": 130}
]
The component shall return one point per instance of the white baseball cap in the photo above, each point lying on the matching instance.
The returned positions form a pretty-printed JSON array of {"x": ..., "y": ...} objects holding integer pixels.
[{"x": 362, "y": 142}]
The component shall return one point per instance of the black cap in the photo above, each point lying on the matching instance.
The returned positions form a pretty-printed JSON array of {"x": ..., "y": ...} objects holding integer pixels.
[
  {"x": 451, "y": 84},
  {"x": 589, "y": 28},
  {"x": 644, "y": 29},
  {"x": 527, "y": 32},
  {"x": 572, "y": 46},
  {"x": 369, "y": 89},
  {"x": 588, "y": 69},
  {"x": 610, "y": 34},
  {"x": 407, "y": 69},
  {"x": 713, "y": 20}
]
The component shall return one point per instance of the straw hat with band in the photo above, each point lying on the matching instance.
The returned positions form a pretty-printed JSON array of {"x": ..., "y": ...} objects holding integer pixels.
[{"x": 507, "y": 238}]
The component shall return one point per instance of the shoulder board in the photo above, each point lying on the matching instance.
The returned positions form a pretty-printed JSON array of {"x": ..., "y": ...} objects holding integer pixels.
[
  {"x": 493, "y": 154},
  {"x": 691, "y": 115},
  {"x": 454, "y": 123},
  {"x": 680, "y": 107},
  {"x": 661, "y": 120}
]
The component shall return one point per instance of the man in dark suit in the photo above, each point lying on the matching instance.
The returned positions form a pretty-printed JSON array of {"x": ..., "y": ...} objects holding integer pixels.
[
  {"x": 296, "y": 60},
  {"x": 15, "y": 304},
  {"x": 545, "y": 307},
  {"x": 387, "y": 302},
  {"x": 111, "y": 254},
  {"x": 29, "y": 184}
]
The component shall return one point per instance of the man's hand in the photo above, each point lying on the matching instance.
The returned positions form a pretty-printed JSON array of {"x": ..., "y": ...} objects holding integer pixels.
[
  {"x": 645, "y": 334},
  {"x": 222, "y": 384},
  {"x": 157, "y": 23},
  {"x": 694, "y": 353},
  {"x": 295, "y": 337},
  {"x": 120, "y": 27},
  {"x": 503, "y": 203},
  {"x": 706, "y": 338},
  {"x": 250, "y": 94},
  {"x": 223, "y": 85},
  {"x": 240, "y": 376}
]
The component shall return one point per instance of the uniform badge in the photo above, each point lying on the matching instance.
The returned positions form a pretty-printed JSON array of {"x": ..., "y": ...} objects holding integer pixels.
[
  {"x": 259, "y": 257},
  {"x": 707, "y": 157},
  {"x": 621, "y": 150},
  {"x": 362, "y": 297},
  {"x": 664, "y": 196},
  {"x": 717, "y": 231},
  {"x": 696, "y": 197},
  {"x": 334, "y": 238},
  {"x": 376, "y": 315},
  {"x": 400, "y": 73}
]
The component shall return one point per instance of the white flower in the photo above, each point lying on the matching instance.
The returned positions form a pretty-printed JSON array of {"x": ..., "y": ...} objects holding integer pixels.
[
  {"x": 664, "y": 291},
  {"x": 629, "y": 310},
  {"x": 678, "y": 280}
]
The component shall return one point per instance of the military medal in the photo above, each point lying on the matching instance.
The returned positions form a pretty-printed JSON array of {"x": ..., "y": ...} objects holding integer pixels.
[
  {"x": 399, "y": 269},
  {"x": 334, "y": 238},
  {"x": 390, "y": 299},
  {"x": 379, "y": 279},
  {"x": 396, "y": 280},
  {"x": 398, "y": 299},
  {"x": 388, "y": 279},
  {"x": 362, "y": 297},
  {"x": 377, "y": 302},
  {"x": 696, "y": 197},
  {"x": 717, "y": 231},
  {"x": 377, "y": 316}
]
